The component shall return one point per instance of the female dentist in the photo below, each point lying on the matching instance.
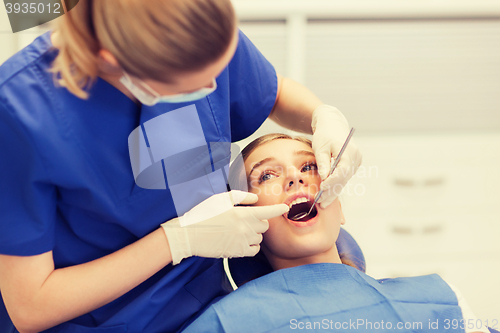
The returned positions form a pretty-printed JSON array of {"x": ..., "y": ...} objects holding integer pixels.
[{"x": 83, "y": 248}]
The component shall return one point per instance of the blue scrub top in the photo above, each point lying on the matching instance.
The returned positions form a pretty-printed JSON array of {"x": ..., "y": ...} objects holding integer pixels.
[{"x": 68, "y": 185}]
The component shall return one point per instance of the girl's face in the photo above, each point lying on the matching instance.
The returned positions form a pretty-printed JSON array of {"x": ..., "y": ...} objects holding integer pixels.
[{"x": 285, "y": 171}]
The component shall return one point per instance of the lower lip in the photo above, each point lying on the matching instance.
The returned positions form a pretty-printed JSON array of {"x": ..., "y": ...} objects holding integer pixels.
[{"x": 302, "y": 224}]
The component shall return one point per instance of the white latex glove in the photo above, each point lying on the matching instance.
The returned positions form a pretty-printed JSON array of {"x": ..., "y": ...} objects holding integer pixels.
[
  {"x": 330, "y": 130},
  {"x": 235, "y": 232}
]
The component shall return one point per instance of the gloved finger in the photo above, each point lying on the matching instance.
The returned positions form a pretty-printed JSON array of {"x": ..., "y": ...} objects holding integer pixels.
[
  {"x": 258, "y": 226},
  {"x": 343, "y": 172},
  {"x": 350, "y": 161},
  {"x": 336, "y": 178},
  {"x": 241, "y": 197},
  {"x": 327, "y": 201},
  {"x": 332, "y": 186},
  {"x": 355, "y": 156},
  {"x": 255, "y": 239},
  {"x": 323, "y": 160},
  {"x": 252, "y": 250},
  {"x": 268, "y": 212}
]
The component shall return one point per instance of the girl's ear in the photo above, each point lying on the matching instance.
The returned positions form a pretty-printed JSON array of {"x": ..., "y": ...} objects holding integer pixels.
[{"x": 342, "y": 217}]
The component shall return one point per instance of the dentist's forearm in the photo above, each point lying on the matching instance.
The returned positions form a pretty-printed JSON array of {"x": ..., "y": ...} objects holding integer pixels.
[
  {"x": 294, "y": 106},
  {"x": 66, "y": 293}
]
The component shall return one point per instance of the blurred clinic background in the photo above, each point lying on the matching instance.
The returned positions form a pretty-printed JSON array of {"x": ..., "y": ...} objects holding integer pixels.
[{"x": 420, "y": 81}]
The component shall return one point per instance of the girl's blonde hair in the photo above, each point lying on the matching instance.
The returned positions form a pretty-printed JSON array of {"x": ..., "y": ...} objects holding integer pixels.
[
  {"x": 268, "y": 138},
  {"x": 154, "y": 39}
]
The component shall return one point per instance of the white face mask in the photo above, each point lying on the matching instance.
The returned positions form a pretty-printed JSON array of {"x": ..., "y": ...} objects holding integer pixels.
[{"x": 153, "y": 97}]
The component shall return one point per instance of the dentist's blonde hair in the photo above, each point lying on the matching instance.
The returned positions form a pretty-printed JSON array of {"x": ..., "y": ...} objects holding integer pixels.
[{"x": 153, "y": 39}]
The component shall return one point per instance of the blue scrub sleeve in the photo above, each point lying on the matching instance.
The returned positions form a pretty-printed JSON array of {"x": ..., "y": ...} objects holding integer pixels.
[
  {"x": 27, "y": 198},
  {"x": 253, "y": 88}
]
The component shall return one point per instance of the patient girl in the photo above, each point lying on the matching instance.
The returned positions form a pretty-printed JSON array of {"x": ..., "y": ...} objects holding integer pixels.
[
  {"x": 281, "y": 170},
  {"x": 310, "y": 288}
]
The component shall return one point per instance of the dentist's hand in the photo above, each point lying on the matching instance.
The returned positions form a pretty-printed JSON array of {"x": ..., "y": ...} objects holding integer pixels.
[
  {"x": 330, "y": 130},
  {"x": 226, "y": 231}
]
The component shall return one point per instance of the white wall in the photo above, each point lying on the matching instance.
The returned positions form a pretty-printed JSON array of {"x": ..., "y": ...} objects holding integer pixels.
[
  {"x": 7, "y": 40},
  {"x": 10, "y": 43},
  {"x": 420, "y": 67}
]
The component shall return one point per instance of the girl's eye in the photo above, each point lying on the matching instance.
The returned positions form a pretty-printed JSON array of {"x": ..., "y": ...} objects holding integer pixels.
[
  {"x": 266, "y": 176},
  {"x": 309, "y": 167}
]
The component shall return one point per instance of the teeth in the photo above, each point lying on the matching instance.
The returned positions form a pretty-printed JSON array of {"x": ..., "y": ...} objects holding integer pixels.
[{"x": 297, "y": 201}]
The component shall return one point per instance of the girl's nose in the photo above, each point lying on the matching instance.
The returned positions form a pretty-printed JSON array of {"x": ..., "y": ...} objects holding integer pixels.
[
  {"x": 300, "y": 181},
  {"x": 295, "y": 178}
]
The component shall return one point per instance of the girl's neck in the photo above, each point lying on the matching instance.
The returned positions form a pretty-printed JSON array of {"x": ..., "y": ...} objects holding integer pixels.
[{"x": 329, "y": 256}]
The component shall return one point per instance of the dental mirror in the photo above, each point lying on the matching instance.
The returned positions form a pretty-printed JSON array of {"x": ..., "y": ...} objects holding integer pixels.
[{"x": 299, "y": 216}]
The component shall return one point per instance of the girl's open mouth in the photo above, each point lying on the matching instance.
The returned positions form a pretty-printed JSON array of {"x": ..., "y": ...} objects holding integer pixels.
[{"x": 302, "y": 206}]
